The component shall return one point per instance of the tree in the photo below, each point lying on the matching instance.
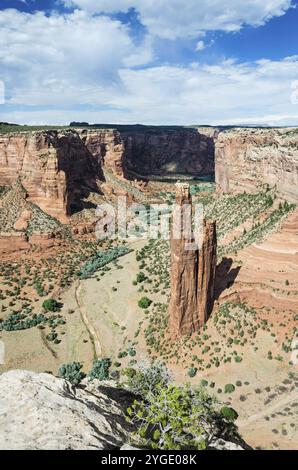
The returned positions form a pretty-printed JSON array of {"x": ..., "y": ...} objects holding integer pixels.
[
  {"x": 177, "y": 418},
  {"x": 147, "y": 377}
]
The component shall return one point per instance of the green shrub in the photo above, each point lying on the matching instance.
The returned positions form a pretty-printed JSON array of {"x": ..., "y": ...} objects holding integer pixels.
[
  {"x": 229, "y": 413},
  {"x": 229, "y": 388},
  {"x": 144, "y": 302},
  {"x": 141, "y": 277},
  {"x": 51, "y": 305},
  {"x": 72, "y": 372},
  {"x": 132, "y": 352},
  {"x": 192, "y": 372},
  {"x": 176, "y": 418},
  {"x": 101, "y": 259},
  {"x": 100, "y": 369},
  {"x": 147, "y": 378}
]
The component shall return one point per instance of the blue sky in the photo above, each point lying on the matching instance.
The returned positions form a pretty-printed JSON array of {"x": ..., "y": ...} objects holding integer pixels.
[{"x": 149, "y": 61}]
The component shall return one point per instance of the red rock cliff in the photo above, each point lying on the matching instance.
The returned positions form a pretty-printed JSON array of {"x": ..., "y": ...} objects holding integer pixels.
[
  {"x": 54, "y": 168},
  {"x": 247, "y": 158},
  {"x": 192, "y": 275}
]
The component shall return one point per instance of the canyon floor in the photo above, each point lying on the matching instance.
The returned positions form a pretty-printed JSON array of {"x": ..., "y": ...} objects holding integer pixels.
[{"x": 245, "y": 355}]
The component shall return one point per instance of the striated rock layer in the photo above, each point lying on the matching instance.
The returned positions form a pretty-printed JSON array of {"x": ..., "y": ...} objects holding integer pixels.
[
  {"x": 55, "y": 168},
  {"x": 59, "y": 169},
  {"x": 192, "y": 273},
  {"x": 248, "y": 158}
]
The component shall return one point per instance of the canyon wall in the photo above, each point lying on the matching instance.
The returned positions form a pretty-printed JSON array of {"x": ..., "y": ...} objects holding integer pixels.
[
  {"x": 54, "y": 168},
  {"x": 192, "y": 271},
  {"x": 245, "y": 159},
  {"x": 59, "y": 169},
  {"x": 181, "y": 151}
]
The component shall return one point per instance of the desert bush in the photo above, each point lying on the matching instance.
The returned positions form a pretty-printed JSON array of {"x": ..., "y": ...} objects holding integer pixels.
[
  {"x": 72, "y": 372},
  {"x": 144, "y": 302},
  {"x": 229, "y": 388},
  {"x": 229, "y": 413},
  {"x": 101, "y": 259},
  {"x": 147, "y": 377},
  {"x": 51, "y": 305},
  {"x": 100, "y": 369},
  {"x": 192, "y": 372}
]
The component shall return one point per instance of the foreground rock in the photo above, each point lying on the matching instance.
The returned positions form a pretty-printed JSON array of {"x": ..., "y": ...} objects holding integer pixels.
[{"x": 39, "y": 411}]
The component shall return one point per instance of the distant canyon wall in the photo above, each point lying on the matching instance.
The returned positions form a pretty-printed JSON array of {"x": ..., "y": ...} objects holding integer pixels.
[
  {"x": 248, "y": 158},
  {"x": 181, "y": 151},
  {"x": 59, "y": 168}
]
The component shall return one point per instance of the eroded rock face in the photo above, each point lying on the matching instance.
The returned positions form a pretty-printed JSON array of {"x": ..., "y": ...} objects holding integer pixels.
[
  {"x": 39, "y": 411},
  {"x": 166, "y": 152},
  {"x": 54, "y": 168},
  {"x": 59, "y": 169},
  {"x": 206, "y": 270},
  {"x": 248, "y": 158},
  {"x": 108, "y": 150},
  {"x": 192, "y": 274}
]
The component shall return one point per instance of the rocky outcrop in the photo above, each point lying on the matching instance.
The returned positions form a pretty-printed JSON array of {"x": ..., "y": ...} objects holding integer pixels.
[
  {"x": 23, "y": 221},
  {"x": 193, "y": 264},
  {"x": 159, "y": 151},
  {"x": 245, "y": 159},
  {"x": 55, "y": 168},
  {"x": 42, "y": 412},
  {"x": 39, "y": 411}
]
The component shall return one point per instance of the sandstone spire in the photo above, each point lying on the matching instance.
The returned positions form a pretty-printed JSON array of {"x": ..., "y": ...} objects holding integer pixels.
[{"x": 192, "y": 271}]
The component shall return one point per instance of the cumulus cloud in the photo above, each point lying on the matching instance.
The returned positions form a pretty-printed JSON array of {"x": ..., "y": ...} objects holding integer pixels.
[
  {"x": 179, "y": 18},
  {"x": 59, "y": 68},
  {"x": 49, "y": 58}
]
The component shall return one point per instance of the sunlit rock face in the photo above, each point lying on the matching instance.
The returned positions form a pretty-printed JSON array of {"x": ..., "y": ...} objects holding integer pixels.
[
  {"x": 192, "y": 274},
  {"x": 248, "y": 158}
]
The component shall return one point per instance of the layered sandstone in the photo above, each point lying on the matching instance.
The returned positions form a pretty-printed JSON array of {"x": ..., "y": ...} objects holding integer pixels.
[
  {"x": 108, "y": 150},
  {"x": 193, "y": 265},
  {"x": 55, "y": 168},
  {"x": 245, "y": 159}
]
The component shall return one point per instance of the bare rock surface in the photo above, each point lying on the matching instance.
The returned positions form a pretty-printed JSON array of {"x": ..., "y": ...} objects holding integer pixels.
[{"x": 40, "y": 411}]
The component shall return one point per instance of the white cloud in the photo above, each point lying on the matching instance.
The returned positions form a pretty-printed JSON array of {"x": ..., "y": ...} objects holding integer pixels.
[
  {"x": 200, "y": 46},
  {"x": 79, "y": 59},
  {"x": 45, "y": 59},
  {"x": 179, "y": 18}
]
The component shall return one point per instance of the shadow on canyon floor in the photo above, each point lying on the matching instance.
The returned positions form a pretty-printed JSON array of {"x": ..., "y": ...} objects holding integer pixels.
[{"x": 225, "y": 276}]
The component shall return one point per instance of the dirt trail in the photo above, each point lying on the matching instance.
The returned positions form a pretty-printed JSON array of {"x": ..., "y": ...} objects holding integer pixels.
[
  {"x": 111, "y": 316},
  {"x": 89, "y": 327}
]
